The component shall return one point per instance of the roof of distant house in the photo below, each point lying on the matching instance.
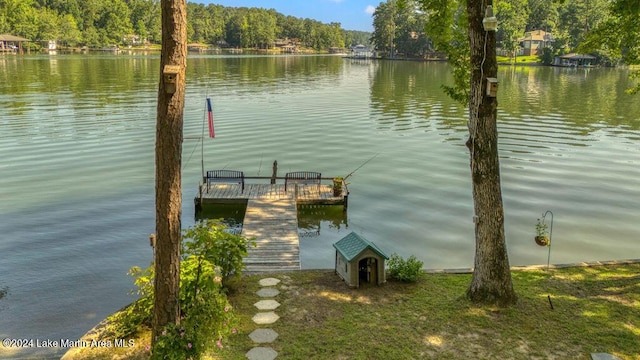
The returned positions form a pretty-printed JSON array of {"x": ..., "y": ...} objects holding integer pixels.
[
  {"x": 8, "y": 37},
  {"x": 537, "y": 35},
  {"x": 574, "y": 56}
]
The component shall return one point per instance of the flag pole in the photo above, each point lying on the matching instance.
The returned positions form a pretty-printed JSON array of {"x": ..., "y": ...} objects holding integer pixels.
[{"x": 204, "y": 119}]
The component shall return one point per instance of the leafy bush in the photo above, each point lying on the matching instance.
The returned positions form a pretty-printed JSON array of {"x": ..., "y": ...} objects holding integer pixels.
[
  {"x": 126, "y": 322},
  {"x": 209, "y": 254},
  {"x": 205, "y": 313},
  {"x": 404, "y": 270},
  {"x": 210, "y": 239}
]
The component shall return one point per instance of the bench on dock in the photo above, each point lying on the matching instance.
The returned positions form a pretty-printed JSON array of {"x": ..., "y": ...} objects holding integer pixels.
[
  {"x": 225, "y": 176},
  {"x": 302, "y": 177}
]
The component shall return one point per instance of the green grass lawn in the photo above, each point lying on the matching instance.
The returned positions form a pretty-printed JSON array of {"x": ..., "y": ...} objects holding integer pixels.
[
  {"x": 595, "y": 309},
  {"x": 534, "y": 59}
]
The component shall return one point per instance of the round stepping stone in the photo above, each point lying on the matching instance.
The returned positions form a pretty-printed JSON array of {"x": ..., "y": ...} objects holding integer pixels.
[
  {"x": 265, "y": 318},
  {"x": 603, "y": 356},
  {"x": 268, "y": 292},
  {"x": 267, "y": 305},
  {"x": 261, "y": 353},
  {"x": 263, "y": 336},
  {"x": 269, "y": 282}
]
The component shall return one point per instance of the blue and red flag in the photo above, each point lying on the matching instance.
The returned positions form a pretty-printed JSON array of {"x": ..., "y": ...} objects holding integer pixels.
[{"x": 212, "y": 132}]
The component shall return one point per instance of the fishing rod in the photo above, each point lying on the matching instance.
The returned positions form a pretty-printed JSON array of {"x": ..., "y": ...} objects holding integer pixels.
[
  {"x": 260, "y": 166},
  {"x": 361, "y": 165}
]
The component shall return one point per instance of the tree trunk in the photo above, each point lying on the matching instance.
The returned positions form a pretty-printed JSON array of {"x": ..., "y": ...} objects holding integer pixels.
[
  {"x": 491, "y": 281},
  {"x": 168, "y": 165}
]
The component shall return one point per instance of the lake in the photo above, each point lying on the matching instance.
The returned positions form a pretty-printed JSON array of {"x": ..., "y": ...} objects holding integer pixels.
[{"x": 77, "y": 166}]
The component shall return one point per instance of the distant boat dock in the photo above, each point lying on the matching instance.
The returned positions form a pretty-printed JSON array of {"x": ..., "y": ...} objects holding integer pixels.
[{"x": 271, "y": 213}]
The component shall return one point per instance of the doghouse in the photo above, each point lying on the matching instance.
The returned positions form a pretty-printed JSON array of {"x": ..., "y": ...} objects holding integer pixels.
[{"x": 359, "y": 261}]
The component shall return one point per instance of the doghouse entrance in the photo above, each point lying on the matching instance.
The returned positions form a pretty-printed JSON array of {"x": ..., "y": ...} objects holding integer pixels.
[{"x": 367, "y": 271}]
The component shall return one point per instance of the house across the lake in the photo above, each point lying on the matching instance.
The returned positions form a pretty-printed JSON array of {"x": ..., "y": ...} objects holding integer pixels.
[{"x": 535, "y": 41}]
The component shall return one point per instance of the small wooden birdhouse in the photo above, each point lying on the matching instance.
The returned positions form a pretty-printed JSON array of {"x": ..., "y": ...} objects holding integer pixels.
[{"x": 359, "y": 261}]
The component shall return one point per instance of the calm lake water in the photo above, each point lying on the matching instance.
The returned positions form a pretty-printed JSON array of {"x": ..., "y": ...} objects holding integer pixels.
[{"x": 77, "y": 166}]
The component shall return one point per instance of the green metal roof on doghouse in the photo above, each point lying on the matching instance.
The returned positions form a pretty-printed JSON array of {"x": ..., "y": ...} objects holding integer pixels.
[{"x": 353, "y": 244}]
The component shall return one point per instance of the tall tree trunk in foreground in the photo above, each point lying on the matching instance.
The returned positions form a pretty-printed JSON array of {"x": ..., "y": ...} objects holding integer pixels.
[
  {"x": 491, "y": 281},
  {"x": 168, "y": 163}
]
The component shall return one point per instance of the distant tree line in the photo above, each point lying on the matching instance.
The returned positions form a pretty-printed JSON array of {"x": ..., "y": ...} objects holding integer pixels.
[
  {"x": 403, "y": 27},
  {"x": 98, "y": 23}
]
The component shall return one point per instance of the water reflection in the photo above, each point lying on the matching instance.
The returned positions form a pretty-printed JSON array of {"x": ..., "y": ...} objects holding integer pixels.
[
  {"x": 405, "y": 96},
  {"x": 250, "y": 74},
  {"x": 408, "y": 95},
  {"x": 583, "y": 99},
  {"x": 312, "y": 217},
  {"x": 232, "y": 215}
]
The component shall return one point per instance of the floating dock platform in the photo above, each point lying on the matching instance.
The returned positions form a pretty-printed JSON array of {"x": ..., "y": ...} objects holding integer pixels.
[{"x": 271, "y": 217}]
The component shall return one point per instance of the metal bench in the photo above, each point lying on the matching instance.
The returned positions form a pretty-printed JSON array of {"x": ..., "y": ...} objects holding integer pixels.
[
  {"x": 302, "y": 177},
  {"x": 225, "y": 176}
]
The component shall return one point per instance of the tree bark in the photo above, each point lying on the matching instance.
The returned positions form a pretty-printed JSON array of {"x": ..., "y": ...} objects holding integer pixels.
[
  {"x": 491, "y": 281},
  {"x": 168, "y": 167}
]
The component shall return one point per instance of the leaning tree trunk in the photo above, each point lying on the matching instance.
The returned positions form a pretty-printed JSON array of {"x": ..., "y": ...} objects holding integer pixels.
[
  {"x": 491, "y": 281},
  {"x": 168, "y": 163}
]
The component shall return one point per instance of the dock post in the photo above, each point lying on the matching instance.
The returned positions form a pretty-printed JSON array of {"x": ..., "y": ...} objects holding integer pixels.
[
  {"x": 198, "y": 201},
  {"x": 275, "y": 172}
]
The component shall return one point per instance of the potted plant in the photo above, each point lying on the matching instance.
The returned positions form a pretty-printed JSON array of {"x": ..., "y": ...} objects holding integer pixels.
[
  {"x": 542, "y": 235},
  {"x": 337, "y": 185}
]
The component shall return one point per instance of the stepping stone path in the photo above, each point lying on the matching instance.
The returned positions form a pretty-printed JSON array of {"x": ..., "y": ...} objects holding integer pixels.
[{"x": 266, "y": 315}]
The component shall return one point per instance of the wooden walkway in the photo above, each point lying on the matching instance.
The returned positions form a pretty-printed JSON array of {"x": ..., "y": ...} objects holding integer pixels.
[
  {"x": 271, "y": 218},
  {"x": 274, "y": 225}
]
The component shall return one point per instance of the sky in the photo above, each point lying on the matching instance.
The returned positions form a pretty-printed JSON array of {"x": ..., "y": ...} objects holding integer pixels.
[{"x": 351, "y": 14}]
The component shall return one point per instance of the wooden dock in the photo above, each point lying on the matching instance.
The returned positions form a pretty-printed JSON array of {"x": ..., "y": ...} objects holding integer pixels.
[
  {"x": 271, "y": 218},
  {"x": 303, "y": 194},
  {"x": 274, "y": 225}
]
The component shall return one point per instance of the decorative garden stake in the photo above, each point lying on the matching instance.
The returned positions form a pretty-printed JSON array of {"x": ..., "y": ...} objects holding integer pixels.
[{"x": 543, "y": 237}]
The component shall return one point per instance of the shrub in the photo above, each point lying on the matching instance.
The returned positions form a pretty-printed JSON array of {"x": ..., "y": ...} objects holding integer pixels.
[
  {"x": 210, "y": 239},
  {"x": 408, "y": 270},
  {"x": 206, "y": 315},
  {"x": 209, "y": 254},
  {"x": 126, "y": 322}
]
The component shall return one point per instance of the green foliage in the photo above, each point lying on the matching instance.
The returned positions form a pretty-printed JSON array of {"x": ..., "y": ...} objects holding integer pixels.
[
  {"x": 408, "y": 270},
  {"x": 99, "y": 23},
  {"x": 127, "y": 321},
  {"x": 206, "y": 314},
  {"x": 447, "y": 27},
  {"x": 635, "y": 75},
  {"x": 353, "y": 37},
  {"x": 577, "y": 18},
  {"x": 399, "y": 30},
  {"x": 616, "y": 36},
  {"x": 209, "y": 254},
  {"x": 547, "y": 56},
  {"x": 541, "y": 228},
  {"x": 208, "y": 239},
  {"x": 512, "y": 16}
]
